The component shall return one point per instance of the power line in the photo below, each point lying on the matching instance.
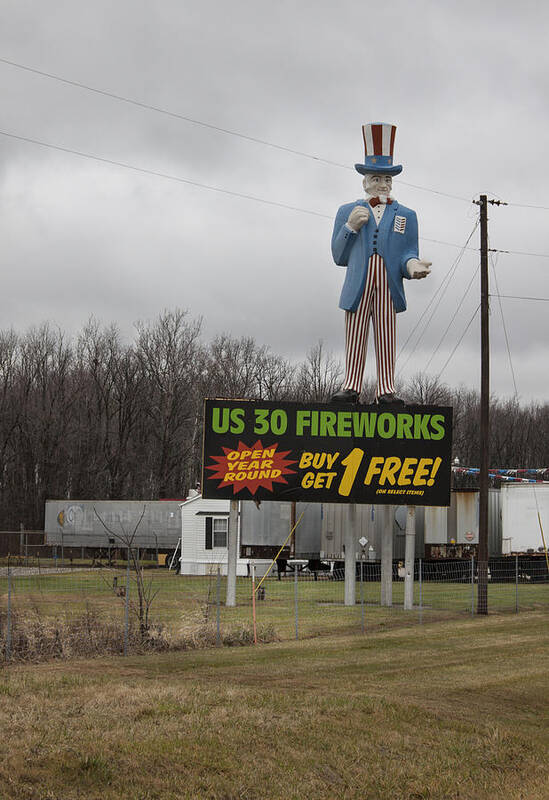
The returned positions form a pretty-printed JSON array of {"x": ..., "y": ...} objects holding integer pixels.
[
  {"x": 520, "y": 297},
  {"x": 227, "y": 131},
  {"x": 519, "y": 253},
  {"x": 165, "y": 175},
  {"x": 504, "y": 325},
  {"x": 524, "y": 205},
  {"x": 442, "y": 288},
  {"x": 167, "y": 112},
  {"x": 453, "y": 317},
  {"x": 459, "y": 342},
  {"x": 178, "y": 179}
]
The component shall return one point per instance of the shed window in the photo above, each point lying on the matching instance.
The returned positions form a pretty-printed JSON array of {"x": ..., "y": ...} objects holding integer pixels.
[
  {"x": 208, "y": 542},
  {"x": 220, "y": 527}
]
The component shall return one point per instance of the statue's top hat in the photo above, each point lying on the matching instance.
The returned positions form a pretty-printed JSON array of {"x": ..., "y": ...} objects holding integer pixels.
[{"x": 379, "y": 141}]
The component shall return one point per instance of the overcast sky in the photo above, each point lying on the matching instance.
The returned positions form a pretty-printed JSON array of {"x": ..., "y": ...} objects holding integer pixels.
[{"x": 466, "y": 83}]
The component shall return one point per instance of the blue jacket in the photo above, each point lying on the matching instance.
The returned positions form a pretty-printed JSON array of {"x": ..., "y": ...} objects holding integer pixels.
[{"x": 397, "y": 242}]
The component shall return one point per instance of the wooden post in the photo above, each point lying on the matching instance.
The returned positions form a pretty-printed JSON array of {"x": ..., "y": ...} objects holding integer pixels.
[{"x": 482, "y": 586}]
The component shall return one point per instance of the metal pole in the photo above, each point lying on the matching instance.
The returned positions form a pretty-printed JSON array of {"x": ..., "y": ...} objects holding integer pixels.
[
  {"x": 296, "y": 604},
  {"x": 350, "y": 555},
  {"x": 472, "y": 585},
  {"x": 362, "y": 591},
  {"x": 253, "y": 604},
  {"x": 218, "y": 609},
  {"x": 420, "y": 576},
  {"x": 232, "y": 554},
  {"x": 516, "y": 584},
  {"x": 127, "y": 605},
  {"x": 387, "y": 557},
  {"x": 292, "y": 528},
  {"x": 8, "y": 631},
  {"x": 482, "y": 588},
  {"x": 409, "y": 558}
]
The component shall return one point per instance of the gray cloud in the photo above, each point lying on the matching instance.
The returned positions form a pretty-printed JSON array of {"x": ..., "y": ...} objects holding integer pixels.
[{"x": 80, "y": 237}]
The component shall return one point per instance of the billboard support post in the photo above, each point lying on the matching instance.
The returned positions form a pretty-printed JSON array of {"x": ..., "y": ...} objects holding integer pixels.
[
  {"x": 387, "y": 557},
  {"x": 350, "y": 555},
  {"x": 409, "y": 558},
  {"x": 232, "y": 554}
]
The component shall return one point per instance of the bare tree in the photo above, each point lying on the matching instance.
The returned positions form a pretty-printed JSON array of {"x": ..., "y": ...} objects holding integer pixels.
[
  {"x": 319, "y": 376},
  {"x": 426, "y": 390},
  {"x": 145, "y": 591},
  {"x": 169, "y": 354}
]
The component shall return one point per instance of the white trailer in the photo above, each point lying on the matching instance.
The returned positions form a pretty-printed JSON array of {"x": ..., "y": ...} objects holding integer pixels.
[{"x": 524, "y": 513}]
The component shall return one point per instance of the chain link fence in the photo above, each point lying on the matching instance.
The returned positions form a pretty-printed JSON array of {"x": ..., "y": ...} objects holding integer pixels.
[{"x": 62, "y": 611}]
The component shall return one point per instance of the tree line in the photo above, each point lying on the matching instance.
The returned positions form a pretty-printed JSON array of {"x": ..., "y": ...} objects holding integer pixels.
[{"x": 96, "y": 417}]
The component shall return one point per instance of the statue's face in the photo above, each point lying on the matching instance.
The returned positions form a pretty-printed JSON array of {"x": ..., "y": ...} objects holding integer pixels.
[{"x": 377, "y": 184}]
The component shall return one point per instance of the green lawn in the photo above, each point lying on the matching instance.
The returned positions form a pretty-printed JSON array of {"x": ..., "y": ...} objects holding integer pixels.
[{"x": 456, "y": 710}]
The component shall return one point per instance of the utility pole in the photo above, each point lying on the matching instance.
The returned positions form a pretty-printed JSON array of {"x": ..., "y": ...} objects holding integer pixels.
[{"x": 482, "y": 586}]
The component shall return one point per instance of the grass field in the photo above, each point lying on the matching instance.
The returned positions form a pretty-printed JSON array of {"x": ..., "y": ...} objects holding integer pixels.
[
  {"x": 450, "y": 710},
  {"x": 182, "y": 604}
]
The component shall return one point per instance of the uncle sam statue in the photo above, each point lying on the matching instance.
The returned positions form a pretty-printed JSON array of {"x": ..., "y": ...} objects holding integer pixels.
[{"x": 376, "y": 239}]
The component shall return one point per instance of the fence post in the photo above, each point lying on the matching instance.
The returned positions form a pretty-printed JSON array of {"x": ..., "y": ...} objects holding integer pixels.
[
  {"x": 420, "y": 581},
  {"x": 218, "y": 609},
  {"x": 8, "y": 631},
  {"x": 253, "y": 604},
  {"x": 127, "y": 604},
  {"x": 516, "y": 584},
  {"x": 472, "y": 586},
  {"x": 296, "y": 602},
  {"x": 362, "y": 590}
]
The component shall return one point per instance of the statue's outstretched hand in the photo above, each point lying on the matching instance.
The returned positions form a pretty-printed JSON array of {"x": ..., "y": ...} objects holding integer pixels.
[
  {"x": 358, "y": 217},
  {"x": 417, "y": 268}
]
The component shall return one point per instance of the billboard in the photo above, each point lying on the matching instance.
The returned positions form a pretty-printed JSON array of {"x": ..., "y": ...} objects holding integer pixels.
[{"x": 319, "y": 453}]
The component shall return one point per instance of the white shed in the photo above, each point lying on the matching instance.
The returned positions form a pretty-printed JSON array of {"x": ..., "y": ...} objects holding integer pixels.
[{"x": 204, "y": 537}]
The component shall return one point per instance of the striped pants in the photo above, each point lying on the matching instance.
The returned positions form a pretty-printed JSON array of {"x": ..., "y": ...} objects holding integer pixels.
[{"x": 376, "y": 304}]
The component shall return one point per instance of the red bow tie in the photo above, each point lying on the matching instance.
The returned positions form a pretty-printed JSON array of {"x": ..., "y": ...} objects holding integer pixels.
[{"x": 375, "y": 201}]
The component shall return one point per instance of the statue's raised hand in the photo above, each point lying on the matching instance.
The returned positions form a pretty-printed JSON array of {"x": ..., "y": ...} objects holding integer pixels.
[{"x": 358, "y": 217}]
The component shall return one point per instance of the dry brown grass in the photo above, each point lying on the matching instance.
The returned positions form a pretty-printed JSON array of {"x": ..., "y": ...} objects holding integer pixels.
[
  {"x": 451, "y": 710},
  {"x": 35, "y": 637}
]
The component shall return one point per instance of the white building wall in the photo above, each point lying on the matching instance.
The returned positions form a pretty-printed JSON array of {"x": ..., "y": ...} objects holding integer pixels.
[{"x": 195, "y": 559}]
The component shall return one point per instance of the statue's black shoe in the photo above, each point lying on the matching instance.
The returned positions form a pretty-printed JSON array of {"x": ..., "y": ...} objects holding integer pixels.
[
  {"x": 345, "y": 396},
  {"x": 390, "y": 399}
]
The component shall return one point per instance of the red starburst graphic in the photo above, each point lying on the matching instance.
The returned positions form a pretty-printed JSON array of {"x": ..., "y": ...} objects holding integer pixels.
[{"x": 251, "y": 467}]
